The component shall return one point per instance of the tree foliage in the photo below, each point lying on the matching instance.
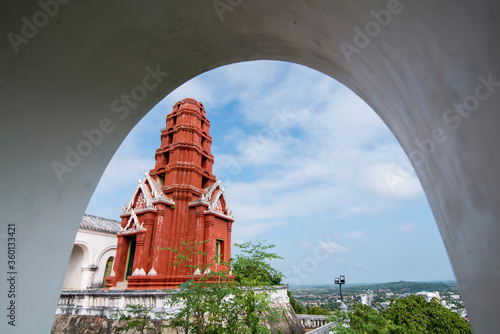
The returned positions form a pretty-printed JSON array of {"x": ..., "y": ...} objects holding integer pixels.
[
  {"x": 297, "y": 306},
  {"x": 419, "y": 316},
  {"x": 214, "y": 303},
  {"x": 410, "y": 315},
  {"x": 185, "y": 256},
  {"x": 364, "y": 320},
  {"x": 204, "y": 307},
  {"x": 251, "y": 268},
  {"x": 317, "y": 310}
]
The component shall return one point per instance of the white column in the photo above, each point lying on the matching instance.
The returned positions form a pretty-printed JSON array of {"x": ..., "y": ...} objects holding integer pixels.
[{"x": 88, "y": 273}]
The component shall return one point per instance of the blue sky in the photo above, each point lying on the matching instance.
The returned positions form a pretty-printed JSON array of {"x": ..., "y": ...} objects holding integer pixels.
[{"x": 306, "y": 163}]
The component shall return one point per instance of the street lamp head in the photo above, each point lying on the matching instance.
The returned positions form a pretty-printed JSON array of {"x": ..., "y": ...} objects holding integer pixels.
[
  {"x": 336, "y": 281},
  {"x": 342, "y": 279}
]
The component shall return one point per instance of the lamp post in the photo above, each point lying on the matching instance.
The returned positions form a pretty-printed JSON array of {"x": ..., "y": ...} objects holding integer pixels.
[{"x": 340, "y": 281}]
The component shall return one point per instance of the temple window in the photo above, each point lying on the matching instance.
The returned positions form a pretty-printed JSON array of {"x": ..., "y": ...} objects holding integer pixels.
[{"x": 218, "y": 251}]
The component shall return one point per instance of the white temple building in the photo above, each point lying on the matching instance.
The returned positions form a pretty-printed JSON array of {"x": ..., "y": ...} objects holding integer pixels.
[{"x": 93, "y": 253}]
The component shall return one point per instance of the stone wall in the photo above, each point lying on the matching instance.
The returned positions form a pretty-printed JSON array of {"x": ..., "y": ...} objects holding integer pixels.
[
  {"x": 75, "y": 324},
  {"x": 78, "y": 324},
  {"x": 289, "y": 324}
]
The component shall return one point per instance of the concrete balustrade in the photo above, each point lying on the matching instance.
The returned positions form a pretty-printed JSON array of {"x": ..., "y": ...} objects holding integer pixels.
[
  {"x": 104, "y": 303},
  {"x": 312, "y": 321},
  {"x": 325, "y": 329}
]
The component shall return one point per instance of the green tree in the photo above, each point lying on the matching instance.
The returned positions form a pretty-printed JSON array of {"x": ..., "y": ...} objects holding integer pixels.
[
  {"x": 317, "y": 310},
  {"x": 417, "y": 315},
  {"x": 297, "y": 307},
  {"x": 204, "y": 307},
  {"x": 213, "y": 303},
  {"x": 410, "y": 315},
  {"x": 203, "y": 299},
  {"x": 364, "y": 320},
  {"x": 185, "y": 256},
  {"x": 251, "y": 268}
]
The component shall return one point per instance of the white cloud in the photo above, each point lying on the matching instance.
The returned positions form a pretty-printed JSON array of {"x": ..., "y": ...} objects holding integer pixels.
[
  {"x": 245, "y": 230},
  {"x": 315, "y": 146},
  {"x": 332, "y": 247},
  {"x": 387, "y": 180},
  {"x": 196, "y": 88},
  {"x": 332, "y": 152},
  {"x": 123, "y": 171},
  {"x": 321, "y": 160}
]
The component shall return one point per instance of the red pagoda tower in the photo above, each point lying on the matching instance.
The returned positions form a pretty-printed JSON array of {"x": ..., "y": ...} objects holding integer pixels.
[{"x": 180, "y": 199}]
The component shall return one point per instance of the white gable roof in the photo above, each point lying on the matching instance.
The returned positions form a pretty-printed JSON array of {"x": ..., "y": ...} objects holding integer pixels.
[
  {"x": 100, "y": 224},
  {"x": 213, "y": 196}
]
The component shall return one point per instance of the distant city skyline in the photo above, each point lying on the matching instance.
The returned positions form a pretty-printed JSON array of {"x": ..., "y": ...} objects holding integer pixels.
[
  {"x": 346, "y": 285},
  {"x": 308, "y": 166}
]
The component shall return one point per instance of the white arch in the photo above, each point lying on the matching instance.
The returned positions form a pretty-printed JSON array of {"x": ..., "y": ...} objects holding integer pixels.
[
  {"x": 63, "y": 114},
  {"x": 88, "y": 252},
  {"x": 73, "y": 277},
  {"x": 101, "y": 263},
  {"x": 105, "y": 250}
]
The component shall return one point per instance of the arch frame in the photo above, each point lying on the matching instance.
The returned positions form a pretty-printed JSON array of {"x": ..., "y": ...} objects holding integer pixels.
[
  {"x": 76, "y": 67},
  {"x": 99, "y": 257}
]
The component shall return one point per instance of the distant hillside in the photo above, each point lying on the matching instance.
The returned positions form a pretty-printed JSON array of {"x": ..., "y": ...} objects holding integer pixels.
[
  {"x": 395, "y": 287},
  {"x": 402, "y": 287}
]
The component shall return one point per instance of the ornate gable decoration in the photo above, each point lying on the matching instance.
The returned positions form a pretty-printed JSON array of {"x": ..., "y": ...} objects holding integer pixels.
[
  {"x": 215, "y": 197},
  {"x": 133, "y": 223},
  {"x": 156, "y": 192},
  {"x": 208, "y": 192},
  {"x": 148, "y": 192}
]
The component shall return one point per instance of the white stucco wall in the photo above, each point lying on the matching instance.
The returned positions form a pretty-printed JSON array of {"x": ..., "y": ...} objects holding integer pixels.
[
  {"x": 73, "y": 277},
  {"x": 88, "y": 259}
]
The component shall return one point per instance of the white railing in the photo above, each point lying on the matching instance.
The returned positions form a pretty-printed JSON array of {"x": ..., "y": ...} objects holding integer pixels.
[
  {"x": 312, "y": 321},
  {"x": 325, "y": 329}
]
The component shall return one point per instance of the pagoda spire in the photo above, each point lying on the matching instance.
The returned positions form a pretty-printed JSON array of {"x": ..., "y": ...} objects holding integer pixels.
[
  {"x": 178, "y": 201},
  {"x": 183, "y": 161}
]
